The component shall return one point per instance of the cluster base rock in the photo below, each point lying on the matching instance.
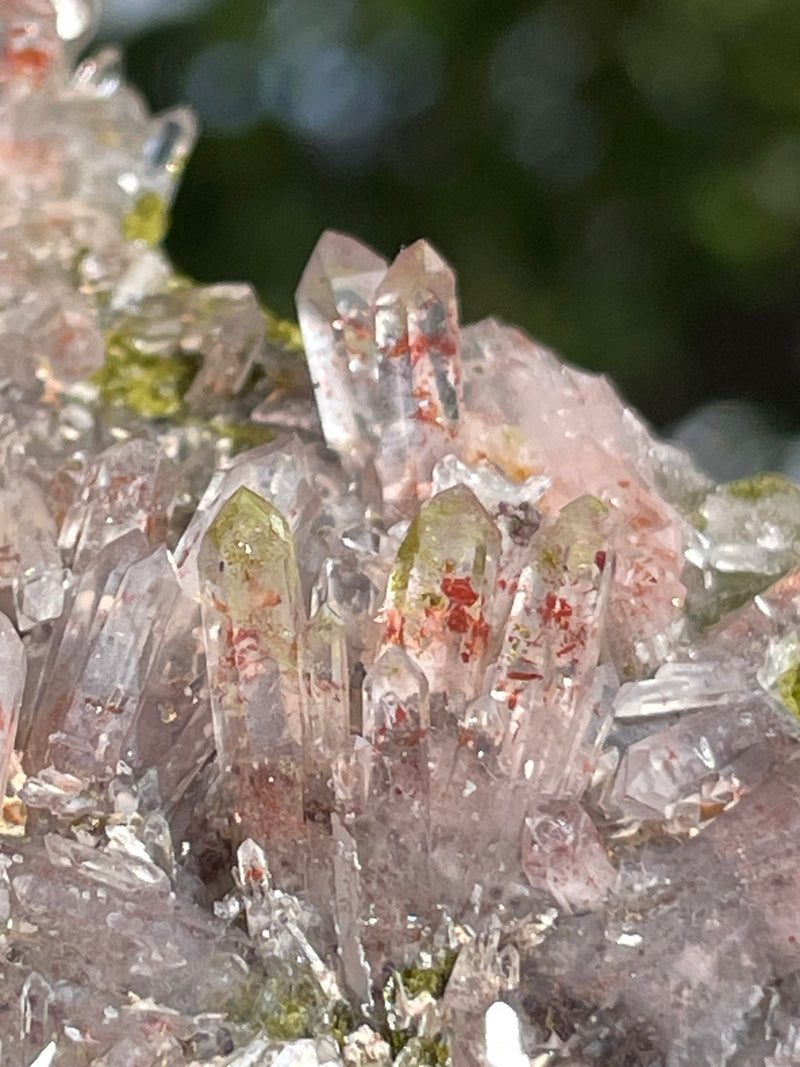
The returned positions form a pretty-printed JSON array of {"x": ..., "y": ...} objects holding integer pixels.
[{"x": 377, "y": 690}]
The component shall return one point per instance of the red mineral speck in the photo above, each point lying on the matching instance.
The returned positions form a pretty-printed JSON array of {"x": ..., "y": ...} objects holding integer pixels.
[
  {"x": 428, "y": 412},
  {"x": 270, "y": 599},
  {"x": 458, "y": 620},
  {"x": 459, "y": 590},
  {"x": 395, "y": 627},
  {"x": 556, "y": 609},
  {"x": 33, "y": 63}
]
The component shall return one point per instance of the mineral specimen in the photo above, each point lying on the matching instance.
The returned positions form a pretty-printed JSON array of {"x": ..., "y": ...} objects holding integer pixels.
[{"x": 413, "y": 705}]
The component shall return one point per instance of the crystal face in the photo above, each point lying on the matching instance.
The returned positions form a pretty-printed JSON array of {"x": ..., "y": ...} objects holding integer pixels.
[{"x": 378, "y": 691}]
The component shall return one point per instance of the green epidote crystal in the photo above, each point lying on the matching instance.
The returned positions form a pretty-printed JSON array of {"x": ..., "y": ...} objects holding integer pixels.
[
  {"x": 242, "y": 435},
  {"x": 286, "y": 1006},
  {"x": 789, "y": 689},
  {"x": 284, "y": 333},
  {"x": 431, "y": 979},
  {"x": 419, "y": 1051},
  {"x": 760, "y": 486},
  {"x": 151, "y": 385},
  {"x": 148, "y": 221}
]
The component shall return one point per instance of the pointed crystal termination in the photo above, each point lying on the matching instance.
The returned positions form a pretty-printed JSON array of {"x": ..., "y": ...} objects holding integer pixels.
[
  {"x": 694, "y": 769},
  {"x": 12, "y": 683},
  {"x": 439, "y": 590},
  {"x": 226, "y": 325},
  {"x": 171, "y": 137},
  {"x": 127, "y": 487},
  {"x": 102, "y": 719},
  {"x": 335, "y": 310},
  {"x": 419, "y": 371},
  {"x": 551, "y": 647},
  {"x": 75, "y": 632},
  {"x": 297, "y": 479},
  {"x": 252, "y": 615},
  {"x": 531, "y": 414}
]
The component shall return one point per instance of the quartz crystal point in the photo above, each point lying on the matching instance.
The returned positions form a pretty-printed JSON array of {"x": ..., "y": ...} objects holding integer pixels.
[
  {"x": 295, "y": 478},
  {"x": 326, "y": 683},
  {"x": 604, "y": 451},
  {"x": 252, "y": 616},
  {"x": 52, "y": 690},
  {"x": 563, "y": 853},
  {"x": 335, "y": 308},
  {"x": 440, "y": 587},
  {"x": 383, "y": 348},
  {"x": 128, "y": 658},
  {"x": 551, "y": 646},
  {"x": 419, "y": 371},
  {"x": 252, "y": 612},
  {"x": 128, "y": 487}
]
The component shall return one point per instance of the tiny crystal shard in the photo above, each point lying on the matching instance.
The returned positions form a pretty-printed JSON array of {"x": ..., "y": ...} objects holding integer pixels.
[{"x": 408, "y": 703}]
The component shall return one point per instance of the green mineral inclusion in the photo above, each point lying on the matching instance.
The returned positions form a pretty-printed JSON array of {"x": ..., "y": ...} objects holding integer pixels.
[
  {"x": 450, "y": 515},
  {"x": 288, "y": 1006},
  {"x": 248, "y": 531},
  {"x": 760, "y": 486},
  {"x": 432, "y": 979},
  {"x": 147, "y": 221},
  {"x": 789, "y": 689},
  {"x": 151, "y": 385}
]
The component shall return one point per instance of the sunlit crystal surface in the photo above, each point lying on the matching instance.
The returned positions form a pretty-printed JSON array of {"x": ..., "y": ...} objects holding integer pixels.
[{"x": 406, "y": 703}]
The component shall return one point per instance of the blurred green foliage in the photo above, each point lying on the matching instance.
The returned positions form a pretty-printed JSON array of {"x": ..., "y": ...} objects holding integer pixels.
[{"x": 619, "y": 177}]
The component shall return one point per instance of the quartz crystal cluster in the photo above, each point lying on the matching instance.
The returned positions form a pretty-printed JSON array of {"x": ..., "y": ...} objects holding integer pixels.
[{"x": 403, "y": 702}]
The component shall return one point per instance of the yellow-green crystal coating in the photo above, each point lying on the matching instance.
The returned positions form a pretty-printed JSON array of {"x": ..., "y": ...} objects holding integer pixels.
[{"x": 147, "y": 221}]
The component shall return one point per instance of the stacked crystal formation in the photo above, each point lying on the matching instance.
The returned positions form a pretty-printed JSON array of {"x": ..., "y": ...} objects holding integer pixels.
[{"x": 420, "y": 709}]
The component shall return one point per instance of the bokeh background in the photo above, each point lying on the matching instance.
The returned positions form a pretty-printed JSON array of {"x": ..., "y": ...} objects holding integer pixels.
[{"x": 619, "y": 177}]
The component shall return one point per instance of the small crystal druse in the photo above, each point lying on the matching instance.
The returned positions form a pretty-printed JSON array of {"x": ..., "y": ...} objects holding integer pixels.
[{"x": 404, "y": 703}]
